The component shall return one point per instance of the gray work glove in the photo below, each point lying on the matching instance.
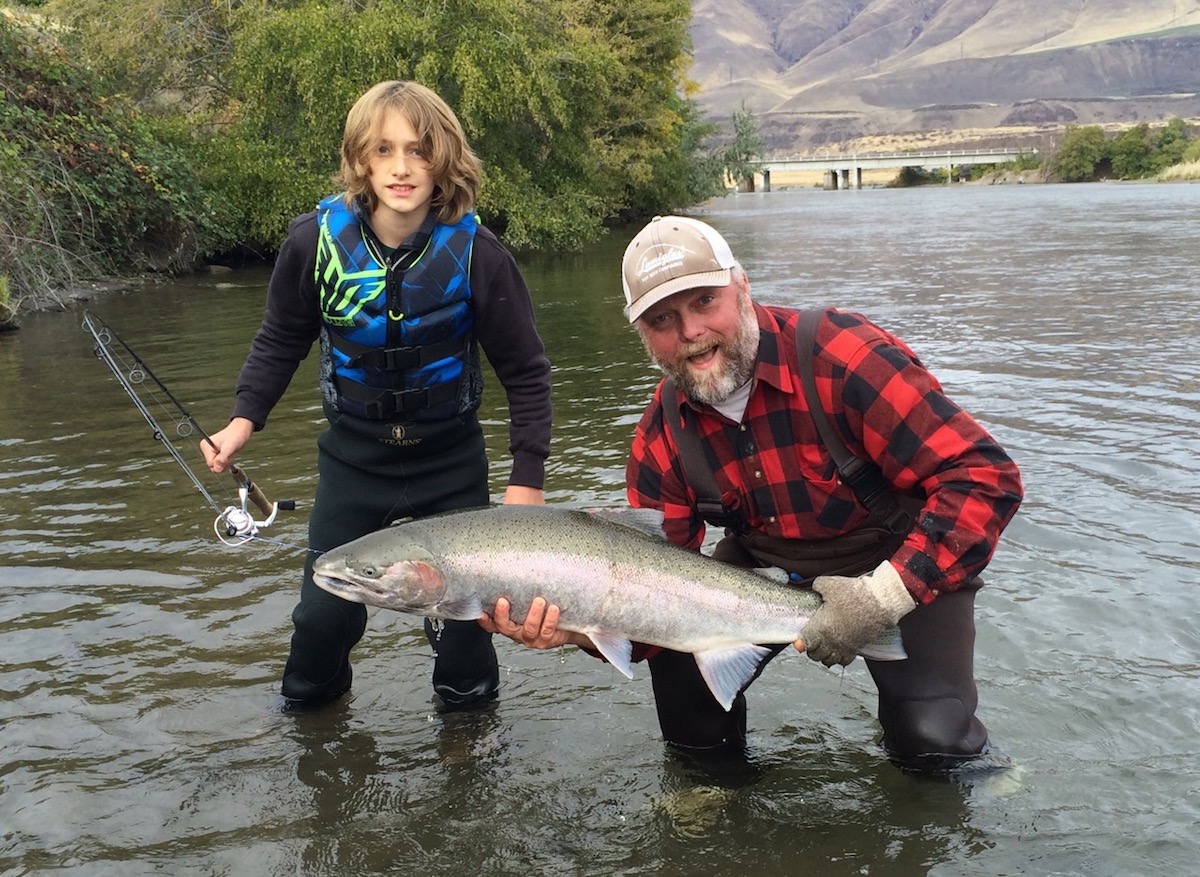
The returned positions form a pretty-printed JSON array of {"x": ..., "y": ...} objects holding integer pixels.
[{"x": 857, "y": 610}]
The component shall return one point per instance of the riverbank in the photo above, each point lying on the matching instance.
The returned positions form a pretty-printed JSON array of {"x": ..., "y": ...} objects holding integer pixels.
[{"x": 67, "y": 299}]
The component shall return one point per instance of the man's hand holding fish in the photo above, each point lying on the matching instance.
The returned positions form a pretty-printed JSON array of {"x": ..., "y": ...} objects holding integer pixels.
[{"x": 540, "y": 629}]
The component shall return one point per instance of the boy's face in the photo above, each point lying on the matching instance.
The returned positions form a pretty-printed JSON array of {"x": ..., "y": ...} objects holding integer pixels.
[{"x": 400, "y": 178}]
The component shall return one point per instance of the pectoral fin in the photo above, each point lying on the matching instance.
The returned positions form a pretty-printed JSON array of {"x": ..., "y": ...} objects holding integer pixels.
[
  {"x": 464, "y": 609},
  {"x": 728, "y": 671},
  {"x": 617, "y": 650}
]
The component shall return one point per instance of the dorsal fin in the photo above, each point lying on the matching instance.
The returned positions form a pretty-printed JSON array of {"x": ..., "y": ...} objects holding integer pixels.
[{"x": 647, "y": 521}]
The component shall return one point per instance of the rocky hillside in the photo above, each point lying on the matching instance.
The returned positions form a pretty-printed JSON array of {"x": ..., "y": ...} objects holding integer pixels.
[{"x": 856, "y": 74}]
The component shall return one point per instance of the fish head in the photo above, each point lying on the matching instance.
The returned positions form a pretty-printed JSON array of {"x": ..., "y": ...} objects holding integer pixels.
[{"x": 404, "y": 577}]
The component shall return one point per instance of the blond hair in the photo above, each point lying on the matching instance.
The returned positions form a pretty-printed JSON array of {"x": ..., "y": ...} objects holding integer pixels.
[{"x": 455, "y": 168}]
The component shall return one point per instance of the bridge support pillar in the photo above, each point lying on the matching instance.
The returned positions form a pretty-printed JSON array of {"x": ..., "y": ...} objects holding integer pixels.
[
  {"x": 766, "y": 177},
  {"x": 845, "y": 175},
  {"x": 831, "y": 181},
  {"x": 857, "y": 175}
]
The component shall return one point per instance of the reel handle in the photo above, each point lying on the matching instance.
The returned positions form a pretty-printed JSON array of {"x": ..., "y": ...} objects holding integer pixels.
[{"x": 253, "y": 491}]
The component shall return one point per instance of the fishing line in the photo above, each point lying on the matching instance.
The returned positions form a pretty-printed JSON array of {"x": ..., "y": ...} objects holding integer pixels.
[{"x": 234, "y": 524}]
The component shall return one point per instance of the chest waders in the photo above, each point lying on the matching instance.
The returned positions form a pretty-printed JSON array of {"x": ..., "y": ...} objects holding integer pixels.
[
  {"x": 927, "y": 702},
  {"x": 403, "y": 441}
]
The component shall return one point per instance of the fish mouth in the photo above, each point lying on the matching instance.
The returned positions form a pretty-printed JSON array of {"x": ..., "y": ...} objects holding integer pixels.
[
  {"x": 350, "y": 586},
  {"x": 335, "y": 584}
]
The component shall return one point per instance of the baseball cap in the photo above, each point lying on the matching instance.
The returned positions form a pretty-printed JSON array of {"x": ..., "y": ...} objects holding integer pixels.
[{"x": 669, "y": 255}]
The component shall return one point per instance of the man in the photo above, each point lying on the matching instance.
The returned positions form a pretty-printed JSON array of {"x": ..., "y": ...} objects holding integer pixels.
[{"x": 906, "y": 548}]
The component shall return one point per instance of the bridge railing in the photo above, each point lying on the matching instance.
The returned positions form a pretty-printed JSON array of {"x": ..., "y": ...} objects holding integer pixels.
[{"x": 890, "y": 156}]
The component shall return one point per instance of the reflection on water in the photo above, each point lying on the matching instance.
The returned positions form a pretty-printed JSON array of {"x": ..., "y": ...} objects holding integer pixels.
[{"x": 139, "y": 716}]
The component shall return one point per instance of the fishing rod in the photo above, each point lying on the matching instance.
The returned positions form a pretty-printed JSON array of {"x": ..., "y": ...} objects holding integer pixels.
[{"x": 235, "y": 525}]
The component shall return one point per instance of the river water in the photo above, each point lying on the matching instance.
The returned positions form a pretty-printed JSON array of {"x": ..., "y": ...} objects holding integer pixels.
[{"x": 140, "y": 729}]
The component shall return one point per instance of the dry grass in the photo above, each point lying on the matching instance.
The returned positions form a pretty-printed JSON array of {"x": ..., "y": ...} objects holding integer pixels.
[{"x": 1189, "y": 170}]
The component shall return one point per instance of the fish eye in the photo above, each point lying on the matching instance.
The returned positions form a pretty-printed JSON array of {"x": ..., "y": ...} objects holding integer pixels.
[{"x": 371, "y": 571}]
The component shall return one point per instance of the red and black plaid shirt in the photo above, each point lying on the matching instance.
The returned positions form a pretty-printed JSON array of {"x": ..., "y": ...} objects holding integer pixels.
[{"x": 885, "y": 406}]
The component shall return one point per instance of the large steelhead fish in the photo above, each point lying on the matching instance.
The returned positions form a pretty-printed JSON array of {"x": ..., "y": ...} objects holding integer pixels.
[{"x": 611, "y": 573}]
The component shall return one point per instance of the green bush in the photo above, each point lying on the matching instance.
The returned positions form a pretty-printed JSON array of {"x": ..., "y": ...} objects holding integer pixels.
[
  {"x": 1082, "y": 150},
  {"x": 579, "y": 112},
  {"x": 1135, "y": 153},
  {"x": 572, "y": 107},
  {"x": 917, "y": 176},
  {"x": 1131, "y": 153},
  {"x": 88, "y": 185}
]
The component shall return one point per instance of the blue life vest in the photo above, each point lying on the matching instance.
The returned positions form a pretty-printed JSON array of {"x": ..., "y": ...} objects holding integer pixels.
[{"x": 397, "y": 343}]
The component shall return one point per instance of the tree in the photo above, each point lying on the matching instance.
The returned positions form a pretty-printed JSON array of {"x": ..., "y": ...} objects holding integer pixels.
[
  {"x": 1082, "y": 150},
  {"x": 581, "y": 112},
  {"x": 153, "y": 50},
  {"x": 686, "y": 174},
  {"x": 87, "y": 187},
  {"x": 573, "y": 107},
  {"x": 741, "y": 155},
  {"x": 1130, "y": 153},
  {"x": 1170, "y": 143}
]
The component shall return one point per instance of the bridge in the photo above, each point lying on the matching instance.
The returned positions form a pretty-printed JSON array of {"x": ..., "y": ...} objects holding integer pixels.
[{"x": 841, "y": 171}]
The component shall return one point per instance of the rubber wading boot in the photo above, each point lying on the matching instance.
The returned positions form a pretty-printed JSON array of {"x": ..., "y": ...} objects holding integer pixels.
[
  {"x": 302, "y": 694},
  {"x": 933, "y": 735},
  {"x": 466, "y": 672}
]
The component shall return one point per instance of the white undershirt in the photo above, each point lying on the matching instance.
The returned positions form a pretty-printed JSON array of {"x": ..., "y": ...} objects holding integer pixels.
[{"x": 735, "y": 406}]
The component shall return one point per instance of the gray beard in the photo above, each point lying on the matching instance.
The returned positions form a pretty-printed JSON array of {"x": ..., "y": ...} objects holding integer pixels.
[{"x": 739, "y": 354}]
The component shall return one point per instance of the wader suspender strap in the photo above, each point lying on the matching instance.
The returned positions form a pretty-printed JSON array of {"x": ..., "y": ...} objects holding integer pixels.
[
  {"x": 699, "y": 474},
  {"x": 863, "y": 477}
]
